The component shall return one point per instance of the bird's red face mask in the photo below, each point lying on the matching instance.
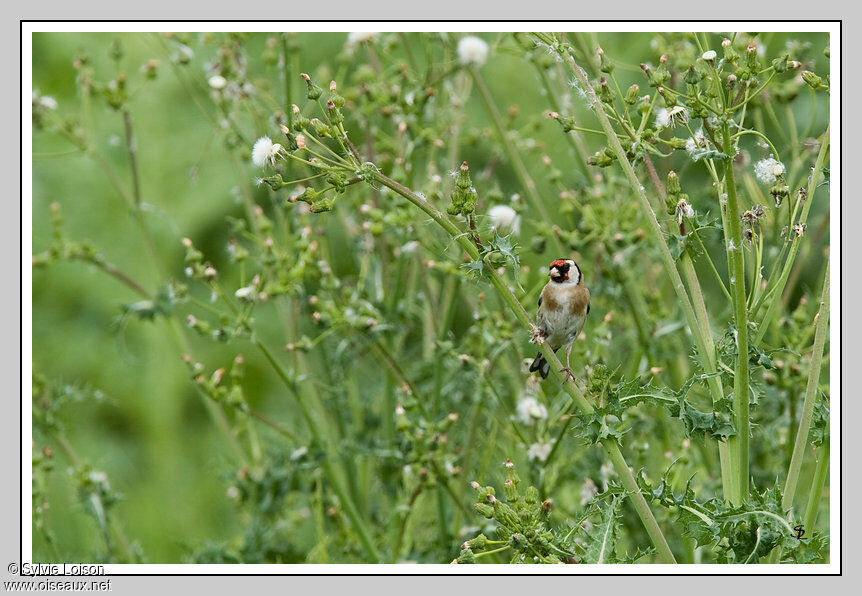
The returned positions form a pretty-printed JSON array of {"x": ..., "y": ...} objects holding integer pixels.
[{"x": 559, "y": 270}]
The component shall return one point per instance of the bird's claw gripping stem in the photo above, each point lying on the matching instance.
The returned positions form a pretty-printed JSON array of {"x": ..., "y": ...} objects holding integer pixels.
[{"x": 537, "y": 336}]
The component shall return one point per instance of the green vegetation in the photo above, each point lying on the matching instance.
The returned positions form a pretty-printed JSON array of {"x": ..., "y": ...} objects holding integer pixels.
[{"x": 278, "y": 319}]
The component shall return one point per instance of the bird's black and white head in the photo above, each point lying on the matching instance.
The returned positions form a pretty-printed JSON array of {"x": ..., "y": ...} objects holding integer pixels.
[{"x": 565, "y": 272}]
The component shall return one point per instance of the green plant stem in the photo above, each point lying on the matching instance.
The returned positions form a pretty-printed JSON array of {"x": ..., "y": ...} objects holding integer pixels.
[
  {"x": 736, "y": 260},
  {"x": 810, "y": 396},
  {"x": 611, "y": 447},
  {"x": 778, "y": 289},
  {"x": 700, "y": 329},
  {"x": 658, "y": 234},
  {"x": 816, "y": 492},
  {"x": 132, "y": 150},
  {"x": 326, "y": 465}
]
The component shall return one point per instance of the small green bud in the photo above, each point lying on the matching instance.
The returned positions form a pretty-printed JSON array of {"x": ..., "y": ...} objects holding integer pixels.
[
  {"x": 466, "y": 557},
  {"x": 780, "y": 64},
  {"x": 692, "y": 76},
  {"x": 605, "y": 92},
  {"x": 669, "y": 98},
  {"x": 567, "y": 122},
  {"x": 751, "y": 58},
  {"x": 321, "y": 129},
  {"x": 301, "y": 122},
  {"x": 730, "y": 53},
  {"x": 531, "y": 496},
  {"x": 334, "y": 113},
  {"x": 314, "y": 92},
  {"x": 478, "y": 543},
  {"x": 511, "y": 491},
  {"x": 463, "y": 179},
  {"x": 731, "y": 82},
  {"x": 545, "y": 509},
  {"x": 518, "y": 541},
  {"x": 274, "y": 182},
  {"x": 678, "y": 143},
  {"x": 779, "y": 192},
  {"x": 811, "y": 79},
  {"x": 631, "y": 97},
  {"x": 337, "y": 100},
  {"x": 234, "y": 397},
  {"x": 602, "y": 158},
  {"x": 484, "y": 510},
  {"x": 673, "y": 187},
  {"x": 322, "y": 205},
  {"x": 292, "y": 144},
  {"x": 644, "y": 105},
  {"x": 605, "y": 63},
  {"x": 309, "y": 195},
  {"x": 337, "y": 180},
  {"x": 656, "y": 76}
]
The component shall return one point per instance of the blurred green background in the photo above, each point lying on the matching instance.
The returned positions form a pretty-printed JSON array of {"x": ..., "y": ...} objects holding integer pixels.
[{"x": 152, "y": 434}]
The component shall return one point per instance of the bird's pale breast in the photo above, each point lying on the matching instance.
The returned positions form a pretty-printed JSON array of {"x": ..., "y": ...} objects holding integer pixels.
[{"x": 563, "y": 313}]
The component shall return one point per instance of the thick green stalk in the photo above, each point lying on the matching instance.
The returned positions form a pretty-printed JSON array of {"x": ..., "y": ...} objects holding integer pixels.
[
  {"x": 699, "y": 331},
  {"x": 740, "y": 314},
  {"x": 817, "y": 485},
  {"x": 706, "y": 345},
  {"x": 611, "y": 447},
  {"x": 728, "y": 480},
  {"x": 810, "y": 396}
]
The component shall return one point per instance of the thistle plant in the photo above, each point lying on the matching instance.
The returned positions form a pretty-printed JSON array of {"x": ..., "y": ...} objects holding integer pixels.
[{"x": 345, "y": 321}]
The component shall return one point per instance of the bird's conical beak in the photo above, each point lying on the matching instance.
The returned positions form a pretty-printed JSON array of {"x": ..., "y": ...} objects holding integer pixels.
[{"x": 554, "y": 272}]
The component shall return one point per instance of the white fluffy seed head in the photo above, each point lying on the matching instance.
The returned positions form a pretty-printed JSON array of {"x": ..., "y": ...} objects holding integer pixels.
[
  {"x": 767, "y": 170},
  {"x": 357, "y": 37},
  {"x": 48, "y": 102},
  {"x": 540, "y": 451},
  {"x": 472, "y": 50},
  {"x": 217, "y": 82},
  {"x": 530, "y": 410},
  {"x": 265, "y": 151},
  {"x": 504, "y": 219}
]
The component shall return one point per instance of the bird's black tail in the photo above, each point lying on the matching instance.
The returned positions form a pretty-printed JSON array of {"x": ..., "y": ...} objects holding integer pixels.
[{"x": 541, "y": 365}]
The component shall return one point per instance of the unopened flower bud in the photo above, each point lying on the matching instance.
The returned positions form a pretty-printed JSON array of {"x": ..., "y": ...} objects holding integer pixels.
[
  {"x": 811, "y": 79},
  {"x": 484, "y": 510},
  {"x": 673, "y": 187},
  {"x": 605, "y": 64},
  {"x": 631, "y": 97},
  {"x": 314, "y": 92}
]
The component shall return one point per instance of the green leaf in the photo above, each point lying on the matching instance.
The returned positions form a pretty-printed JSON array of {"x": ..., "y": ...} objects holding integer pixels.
[
  {"x": 603, "y": 536},
  {"x": 819, "y": 422},
  {"x": 475, "y": 268},
  {"x": 742, "y": 534},
  {"x": 503, "y": 246}
]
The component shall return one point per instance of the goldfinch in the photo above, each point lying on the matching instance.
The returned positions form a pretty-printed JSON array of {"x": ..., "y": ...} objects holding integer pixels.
[{"x": 563, "y": 308}]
